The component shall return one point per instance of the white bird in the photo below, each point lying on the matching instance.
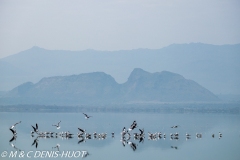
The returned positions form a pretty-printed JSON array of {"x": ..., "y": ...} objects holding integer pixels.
[
  {"x": 86, "y": 116},
  {"x": 35, "y": 128},
  {"x": 15, "y": 125},
  {"x": 134, "y": 125},
  {"x": 57, "y": 125},
  {"x": 13, "y": 131},
  {"x": 187, "y": 135}
]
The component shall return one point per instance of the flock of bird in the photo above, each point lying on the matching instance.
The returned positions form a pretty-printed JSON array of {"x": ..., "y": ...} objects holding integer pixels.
[{"x": 83, "y": 136}]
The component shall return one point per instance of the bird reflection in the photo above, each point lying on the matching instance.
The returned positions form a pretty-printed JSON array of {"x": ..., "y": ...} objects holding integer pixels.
[
  {"x": 13, "y": 146},
  {"x": 35, "y": 142},
  {"x": 123, "y": 142},
  {"x": 187, "y": 138},
  {"x": 82, "y": 139},
  {"x": 141, "y": 140},
  {"x": 13, "y": 139},
  {"x": 132, "y": 145}
]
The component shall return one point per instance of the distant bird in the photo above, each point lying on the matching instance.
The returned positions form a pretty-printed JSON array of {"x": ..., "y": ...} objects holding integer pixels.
[
  {"x": 175, "y": 126},
  {"x": 220, "y": 135},
  {"x": 85, "y": 154},
  {"x": 15, "y": 125},
  {"x": 13, "y": 131},
  {"x": 134, "y": 125},
  {"x": 35, "y": 128},
  {"x": 198, "y": 135},
  {"x": 81, "y": 130},
  {"x": 123, "y": 131},
  {"x": 112, "y": 134},
  {"x": 212, "y": 135},
  {"x": 176, "y": 134},
  {"x": 57, "y": 146},
  {"x": 164, "y": 136},
  {"x": 57, "y": 125},
  {"x": 188, "y": 135},
  {"x": 175, "y": 147},
  {"x": 86, "y": 116}
]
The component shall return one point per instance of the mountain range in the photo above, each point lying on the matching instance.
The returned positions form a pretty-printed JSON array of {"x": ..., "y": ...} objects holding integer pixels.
[
  {"x": 215, "y": 67},
  {"x": 101, "y": 88}
]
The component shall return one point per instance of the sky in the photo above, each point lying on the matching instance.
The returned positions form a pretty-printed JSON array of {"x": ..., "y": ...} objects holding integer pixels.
[{"x": 115, "y": 24}]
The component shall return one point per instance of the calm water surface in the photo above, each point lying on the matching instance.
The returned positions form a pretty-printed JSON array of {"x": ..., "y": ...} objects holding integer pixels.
[{"x": 206, "y": 147}]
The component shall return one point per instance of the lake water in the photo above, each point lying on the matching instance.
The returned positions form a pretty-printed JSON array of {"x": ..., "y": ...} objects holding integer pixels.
[{"x": 207, "y": 147}]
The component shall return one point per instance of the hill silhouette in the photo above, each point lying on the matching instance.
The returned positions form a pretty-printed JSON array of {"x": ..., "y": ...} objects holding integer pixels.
[{"x": 101, "y": 88}]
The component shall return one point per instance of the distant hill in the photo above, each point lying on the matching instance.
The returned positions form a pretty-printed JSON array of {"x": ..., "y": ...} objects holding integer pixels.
[
  {"x": 215, "y": 67},
  {"x": 101, "y": 88},
  {"x": 163, "y": 86}
]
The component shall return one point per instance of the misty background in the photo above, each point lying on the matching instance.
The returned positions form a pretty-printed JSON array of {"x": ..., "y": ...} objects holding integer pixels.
[
  {"x": 196, "y": 39},
  {"x": 111, "y": 25},
  {"x": 216, "y": 68}
]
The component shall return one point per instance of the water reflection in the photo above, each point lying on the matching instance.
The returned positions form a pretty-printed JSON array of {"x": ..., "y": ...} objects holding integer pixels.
[
  {"x": 103, "y": 136},
  {"x": 12, "y": 143},
  {"x": 13, "y": 146},
  {"x": 83, "y": 136},
  {"x": 13, "y": 138},
  {"x": 35, "y": 142}
]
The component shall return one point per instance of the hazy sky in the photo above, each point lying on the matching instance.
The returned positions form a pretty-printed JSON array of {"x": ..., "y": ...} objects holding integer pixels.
[{"x": 115, "y": 24}]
